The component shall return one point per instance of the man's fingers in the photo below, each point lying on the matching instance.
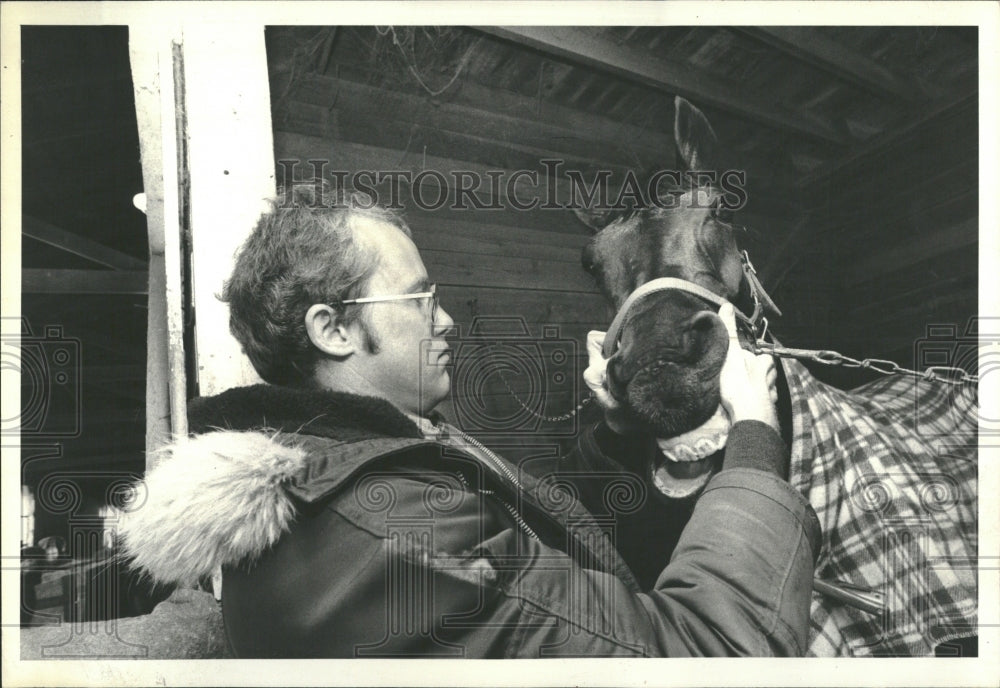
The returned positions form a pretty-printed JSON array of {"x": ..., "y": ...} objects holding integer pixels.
[
  {"x": 593, "y": 376},
  {"x": 772, "y": 374},
  {"x": 595, "y": 344},
  {"x": 728, "y": 315},
  {"x": 595, "y": 373},
  {"x": 605, "y": 400}
]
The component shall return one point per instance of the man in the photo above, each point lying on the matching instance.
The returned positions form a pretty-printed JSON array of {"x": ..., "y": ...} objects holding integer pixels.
[{"x": 349, "y": 521}]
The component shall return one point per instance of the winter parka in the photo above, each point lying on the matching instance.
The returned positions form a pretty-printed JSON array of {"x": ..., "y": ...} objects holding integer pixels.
[{"x": 342, "y": 532}]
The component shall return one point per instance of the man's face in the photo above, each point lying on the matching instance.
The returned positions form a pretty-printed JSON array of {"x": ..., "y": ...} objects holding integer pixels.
[{"x": 410, "y": 366}]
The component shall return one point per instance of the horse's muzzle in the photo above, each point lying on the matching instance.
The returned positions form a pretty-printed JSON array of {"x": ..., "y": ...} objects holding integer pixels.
[{"x": 665, "y": 371}]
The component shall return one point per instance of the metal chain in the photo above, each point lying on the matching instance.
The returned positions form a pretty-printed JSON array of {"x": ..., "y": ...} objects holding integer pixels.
[
  {"x": 536, "y": 414},
  {"x": 947, "y": 374}
]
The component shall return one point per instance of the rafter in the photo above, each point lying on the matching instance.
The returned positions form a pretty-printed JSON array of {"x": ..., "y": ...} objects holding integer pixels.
[
  {"x": 78, "y": 245},
  {"x": 912, "y": 251},
  {"x": 35, "y": 281},
  {"x": 807, "y": 45},
  {"x": 669, "y": 76},
  {"x": 963, "y": 96}
]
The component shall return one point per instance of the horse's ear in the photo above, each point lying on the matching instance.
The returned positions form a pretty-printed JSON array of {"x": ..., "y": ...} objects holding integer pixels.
[
  {"x": 595, "y": 219},
  {"x": 696, "y": 140}
]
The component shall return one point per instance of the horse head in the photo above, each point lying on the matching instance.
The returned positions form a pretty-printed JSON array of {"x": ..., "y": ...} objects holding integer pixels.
[{"x": 672, "y": 343}]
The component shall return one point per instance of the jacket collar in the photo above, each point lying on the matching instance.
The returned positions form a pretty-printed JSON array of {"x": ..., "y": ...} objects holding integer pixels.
[{"x": 304, "y": 411}]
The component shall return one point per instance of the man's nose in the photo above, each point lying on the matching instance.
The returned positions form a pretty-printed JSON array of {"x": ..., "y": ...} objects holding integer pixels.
[{"x": 443, "y": 323}]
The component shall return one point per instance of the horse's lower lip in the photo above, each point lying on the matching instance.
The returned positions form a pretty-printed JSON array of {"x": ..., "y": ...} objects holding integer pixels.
[{"x": 679, "y": 480}]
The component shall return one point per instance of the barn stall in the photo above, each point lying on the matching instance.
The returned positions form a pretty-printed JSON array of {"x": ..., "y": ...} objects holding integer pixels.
[
  {"x": 859, "y": 149},
  {"x": 859, "y": 145}
]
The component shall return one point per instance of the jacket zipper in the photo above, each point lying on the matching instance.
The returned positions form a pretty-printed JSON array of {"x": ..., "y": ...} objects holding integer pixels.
[{"x": 496, "y": 461}]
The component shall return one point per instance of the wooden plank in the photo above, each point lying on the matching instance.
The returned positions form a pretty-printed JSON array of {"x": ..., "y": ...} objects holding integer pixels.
[
  {"x": 387, "y": 133},
  {"x": 343, "y": 156},
  {"x": 584, "y": 47},
  {"x": 915, "y": 163},
  {"x": 916, "y": 216},
  {"x": 925, "y": 293},
  {"x": 960, "y": 236},
  {"x": 966, "y": 96},
  {"x": 809, "y": 45},
  {"x": 480, "y": 227},
  {"x": 541, "y": 118},
  {"x": 905, "y": 282},
  {"x": 78, "y": 245},
  {"x": 533, "y": 306},
  {"x": 497, "y": 246},
  {"x": 561, "y": 224},
  {"x": 594, "y": 144},
  {"x": 154, "y": 73},
  {"x": 900, "y": 332},
  {"x": 352, "y": 157},
  {"x": 769, "y": 266},
  {"x": 446, "y": 267},
  {"x": 40, "y": 281}
]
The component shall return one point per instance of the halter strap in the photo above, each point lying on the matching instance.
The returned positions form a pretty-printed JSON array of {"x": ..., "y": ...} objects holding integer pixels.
[{"x": 667, "y": 283}]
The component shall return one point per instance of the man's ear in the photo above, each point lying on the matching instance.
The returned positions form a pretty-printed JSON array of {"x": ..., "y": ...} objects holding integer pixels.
[{"x": 328, "y": 333}]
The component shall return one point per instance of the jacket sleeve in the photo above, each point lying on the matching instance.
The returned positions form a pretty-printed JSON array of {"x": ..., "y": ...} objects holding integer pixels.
[{"x": 470, "y": 583}]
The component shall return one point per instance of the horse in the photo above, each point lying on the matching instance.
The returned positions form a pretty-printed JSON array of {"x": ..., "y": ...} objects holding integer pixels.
[{"x": 890, "y": 467}]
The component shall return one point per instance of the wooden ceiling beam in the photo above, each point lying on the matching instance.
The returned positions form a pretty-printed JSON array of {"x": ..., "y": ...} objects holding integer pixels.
[
  {"x": 79, "y": 245},
  {"x": 36, "y": 281},
  {"x": 914, "y": 250},
  {"x": 964, "y": 95},
  {"x": 670, "y": 76},
  {"x": 807, "y": 46}
]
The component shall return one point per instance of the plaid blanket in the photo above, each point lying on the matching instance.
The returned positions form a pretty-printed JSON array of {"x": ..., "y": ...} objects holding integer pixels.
[{"x": 890, "y": 469}]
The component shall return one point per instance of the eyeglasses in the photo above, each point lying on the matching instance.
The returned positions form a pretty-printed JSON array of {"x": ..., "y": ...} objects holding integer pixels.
[{"x": 431, "y": 294}]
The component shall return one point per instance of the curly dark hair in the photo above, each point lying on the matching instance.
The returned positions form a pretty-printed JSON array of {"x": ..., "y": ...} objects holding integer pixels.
[{"x": 302, "y": 252}]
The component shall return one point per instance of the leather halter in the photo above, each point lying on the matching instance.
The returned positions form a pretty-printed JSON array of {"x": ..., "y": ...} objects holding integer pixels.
[{"x": 761, "y": 300}]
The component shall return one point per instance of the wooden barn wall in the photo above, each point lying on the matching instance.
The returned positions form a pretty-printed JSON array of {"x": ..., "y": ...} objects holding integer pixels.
[
  {"x": 792, "y": 263},
  {"x": 861, "y": 261},
  {"x": 515, "y": 270},
  {"x": 902, "y": 228}
]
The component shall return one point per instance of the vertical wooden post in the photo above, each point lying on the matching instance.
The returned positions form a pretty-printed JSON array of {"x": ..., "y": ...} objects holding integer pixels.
[
  {"x": 204, "y": 114},
  {"x": 151, "y": 53},
  {"x": 231, "y": 175}
]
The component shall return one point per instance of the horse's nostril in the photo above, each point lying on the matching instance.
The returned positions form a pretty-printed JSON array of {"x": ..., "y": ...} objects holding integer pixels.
[{"x": 616, "y": 385}]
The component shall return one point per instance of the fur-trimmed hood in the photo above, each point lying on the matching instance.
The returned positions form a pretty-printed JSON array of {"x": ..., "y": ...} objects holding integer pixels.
[{"x": 228, "y": 492}]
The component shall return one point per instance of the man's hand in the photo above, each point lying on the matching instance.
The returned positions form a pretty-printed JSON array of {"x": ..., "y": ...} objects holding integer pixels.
[
  {"x": 596, "y": 378},
  {"x": 746, "y": 380}
]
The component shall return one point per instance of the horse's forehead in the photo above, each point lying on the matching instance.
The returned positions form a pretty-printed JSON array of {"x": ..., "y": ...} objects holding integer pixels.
[
  {"x": 653, "y": 228},
  {"x": 613, "y": 234}
]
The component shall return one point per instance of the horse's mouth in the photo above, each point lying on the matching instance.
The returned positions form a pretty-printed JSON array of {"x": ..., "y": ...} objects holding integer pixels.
[
  {"x": 668, "y": 398},
  {"x": 683, "y": 479}
]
